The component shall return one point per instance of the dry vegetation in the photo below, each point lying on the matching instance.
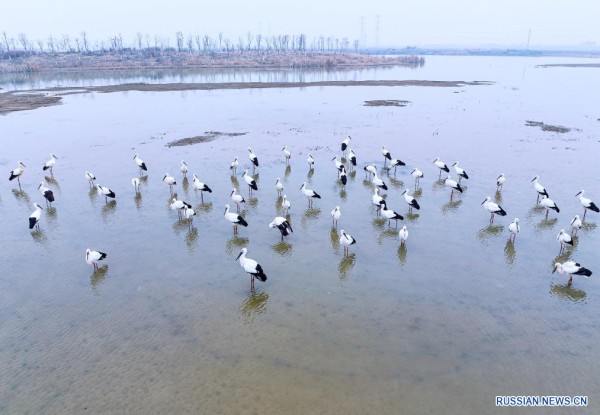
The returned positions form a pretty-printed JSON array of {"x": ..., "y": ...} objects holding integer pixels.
[
  {"x": 207, "y": 137},
  {"x": 386, "y": 103},
  {"x": 547, "y": 127}
]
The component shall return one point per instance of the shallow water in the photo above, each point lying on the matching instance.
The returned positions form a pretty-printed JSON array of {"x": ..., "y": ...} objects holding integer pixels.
[{"x": 168, "y": 324}]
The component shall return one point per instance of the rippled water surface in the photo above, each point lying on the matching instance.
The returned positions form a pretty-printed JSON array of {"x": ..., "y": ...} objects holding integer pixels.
[{"x": 168, "y": 324}]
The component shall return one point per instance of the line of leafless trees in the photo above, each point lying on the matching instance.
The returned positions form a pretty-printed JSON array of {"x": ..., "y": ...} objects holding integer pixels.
[{"x": 21, "y": 45}]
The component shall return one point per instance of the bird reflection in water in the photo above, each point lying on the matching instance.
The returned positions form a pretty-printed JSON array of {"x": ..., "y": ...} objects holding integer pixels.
[
  {"x": 53, "y": 182},
  {"x": 418, "y": 193},
  {"x": 204, "y": 208},
  {"x": 346, "y": 266},
  {"x": 378, "y": 223},
  {"x": 367, "y": 184},
  {"x": 389, "y": 234},
  {"x": 451, "y": 206},
  {"x": 545, "y": 225},
  {"x": 510, "y": 253},
  {"x": 21, "y": 196},
  {"x": 395, "y": 183},
  {"x": 39, "y": 236},
  {"x": 352, "y": 175},
  {"x": 138, "y": 200},
  {"x": 562, "y": 257},
  {"x": 566, "y": 292},
  {"x": 438, "y": 185},
  {"x": 402, "y": 250},
  {"x": 252, "y": 203},
  {"x": 93, "y": 195},
  {"x": 235, "y": 182},
  {"x": 335, "y": 240},
  {"x": 309, "y": 176},
  {"x": 97, "y": 278},
  {"x": 253, "y": 306},
  {"x": 489, "y": 232},
  {"x": 411, "y": 217},
  {"x": 191, "y": 239},
  {"x": 283, "y": 248},
  {"x": 185, "y": 184},
  {"x": 235, "y": 243},
  {"x": 498, "y": 198},
  {"x": 181, "y": 225},
  {"x": 109, "y": 209},
  {"x": 51, "y": 216},
  {"x": 309, "y": 215},
  {"x": 288, "y": 171},
  {"x": 343, "y": 195}
]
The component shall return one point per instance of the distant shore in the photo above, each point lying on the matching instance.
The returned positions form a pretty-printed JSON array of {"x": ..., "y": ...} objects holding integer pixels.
[
  {"x": 136, "y": 60},
  {"x": 37, "y": 98}
]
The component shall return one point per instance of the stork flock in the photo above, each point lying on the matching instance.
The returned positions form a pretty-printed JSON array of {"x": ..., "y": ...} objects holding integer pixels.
[{"x": 342, "y": 165}]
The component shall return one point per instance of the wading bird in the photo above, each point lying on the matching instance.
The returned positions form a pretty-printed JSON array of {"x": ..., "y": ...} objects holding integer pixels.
[
  {"x": 16, "y": 173},
  {"x": 564, "y": 239},
  {"x": 441, "y": 165},
  {"x": 140, "y": 163},
  {"x": 233, "y": 166},
  {"x": 500, "y": 182},
  {"x": 571, "y": 268},
  {"x": 453, "y": 185},
  {"x": 493, "y": 208},
  {"x": 412, "y": 202},
  {"x": 179, "y": 206},
  {"x": 370, "y": 169},
  {"x": 352, "y": 157},
  {"x": 106, "y": 192},
  {"x": 34, "y": 219},
  {"x": 48, "y": 195},
  {"x": 418, "y": 175},
  {"x": 338, "y": 165},
  {"x": 311, "y": 162},
  {"x": 346, "y": 142},
  {"x": 549, "y": 204},
  {"x": 283, "y": 225},
  {"x": 386, "y": 155},
  {"x": 278, "y": 186},
  {"x": 310, "y": 194},
  {"x": 199, "y": 186},
  {"x": 234, "y": 219},
  {"x": 403, "y": 235},
  {"x": 378, "y": 182},
  {"x": 390, "y": 215},
  {"x": 575, "y": 225},
  {"x": 90, "y": 178},
  {"x": 285, "y": 204},
  {"x": 189, "y": 215},
  {"x": 136, "y": 184},
  {"x": 343, "y": 176},
  {"x": 346, "y": 240},
  {"x": 251, "y": 267},
  {"x": 335, "y": 214},
  {"x": 252, "y": 158},
  {"x": 541, "y": 191},
  {"x": 586, "y": 203},
  {"x": 237, "y": 199},
  {"x": 378, "y": 201},
  {"x": 287, "y": 154},
  {"x": 514, "y": 228},
  {"x": 169, "y": 181},
  {"x": 50, "y": 164},
  {"x": 184, "y": 168},
  {"x": 92, "y": 257},
  {"x": 461, "y": 173},
  {"x": 394, "y": 165},
  {"x": 250, "y": 182}
]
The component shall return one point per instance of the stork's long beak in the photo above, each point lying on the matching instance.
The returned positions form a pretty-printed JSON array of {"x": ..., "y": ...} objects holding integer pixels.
[
  {"x": 554, "y": 270},
  {"x": 238, "y": 256},
  {"x": 41, "y": 207},
  {"x": 578, "y": 194},
  {"x": 301, "y": 186},
  {"x": 283, "y": 149},
  {"x": 54, "y": 156},
  {"x": 533, "y": 180},
  {"x": 225, "y": 211},
  {"x": 23, "y": 165},
  {"x": 134, "y": 156},
  {"x": 483, "y": 201},
  {"x": 231, "y": 193},
  {"x": 333, "y": 158}
]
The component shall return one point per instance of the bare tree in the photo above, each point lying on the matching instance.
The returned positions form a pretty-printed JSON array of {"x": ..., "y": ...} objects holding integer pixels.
[
  {"x": 190, "y": 43},
  {"x": 5, "y": 36},
  {"x": 356, "y": 44},
  {"x": 227, "y": 43},
  {"x": 249, "y": 36},
  {"x": 198, "y": 42},
  {"x": 241, "y": 45},
  {"x": 206, "y": 43},
  {"x": 179, "y": 40},
  {"x": 84, "y": 39},
  {"x": 51, "y": 44},
  {"x": 23, "y": 40},
  {"x": 138, "y": 40},
  {"x": 78, "y": 45},
  {"x": 258, "y": 42},
  {"x": 220, "y": 40},
  {"x": 40, "y": 44},
  {"x": 66, "y": 43}
]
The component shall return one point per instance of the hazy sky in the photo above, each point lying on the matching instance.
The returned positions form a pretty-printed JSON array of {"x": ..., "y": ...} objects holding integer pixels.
[{"x": 414, "y": 22}]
